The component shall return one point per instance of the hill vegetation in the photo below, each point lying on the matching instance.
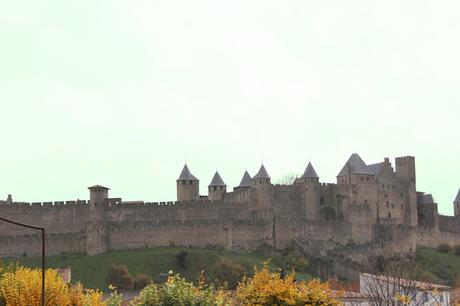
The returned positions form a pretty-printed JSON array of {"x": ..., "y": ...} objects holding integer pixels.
[{"x": 92, "y": 271}]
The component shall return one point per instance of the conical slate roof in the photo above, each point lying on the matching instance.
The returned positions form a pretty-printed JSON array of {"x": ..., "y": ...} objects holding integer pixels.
[
  {"x": 246, "y": 180},
  {"x": 457, "y": 199},
  {"x": 262, "y": 174},
  {"x": 217, "y": 180},
  {"x": 310, "y": 172},
  {"x": 186, "y": 175},
  {"x": 357, "y": 165}
]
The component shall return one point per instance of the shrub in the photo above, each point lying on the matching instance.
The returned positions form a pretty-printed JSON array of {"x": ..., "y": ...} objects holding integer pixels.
[
  {"x": 23, "y": 287},
  {"x": 140, "y": 281},
  {"x": 266, "y": 288},
  {"x": 457, "y": 250},
  {"x": 228, "y": 274},
  {"x": 120, "y": 277},
  {"x": 176, "y": 291},
  {"x": 444, "y": 248},
  {"x": 294, "y": 260},
  {"x": 181, "y": 260}
]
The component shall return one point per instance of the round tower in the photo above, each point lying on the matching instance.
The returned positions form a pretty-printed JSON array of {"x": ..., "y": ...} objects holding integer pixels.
[
  {"x": 217, "y": 188},
  {"x": 312, "y": 192},
  {"x": 188, "y": 186},
  {"x": 457, "y": 204}
]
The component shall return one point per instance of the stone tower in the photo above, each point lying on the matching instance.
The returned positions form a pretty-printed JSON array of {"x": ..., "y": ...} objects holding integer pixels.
[
  {"x": 96, "y": 229},
  {"x": 216, "y": 188},
  {"x": 311, "y": 180},
  {"x": 188, "y": 186},
  {"x": 457, "y": 204},
  {"x": 262, "y": 185},
  {"x": 405, "y": 169},
  {"x": 245, "y": 182}
]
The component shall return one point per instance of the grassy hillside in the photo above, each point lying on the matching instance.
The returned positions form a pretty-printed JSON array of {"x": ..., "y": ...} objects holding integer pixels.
[
  {"x": 443, "y": 266},
  {"x": 156, "y": 262}
]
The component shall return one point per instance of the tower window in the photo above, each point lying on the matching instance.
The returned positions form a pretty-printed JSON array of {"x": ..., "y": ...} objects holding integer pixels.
[
  {"x": 183, "y": 182},
  {"x": 361, "y": 178},
  {"x": 389, "y": 215},
  {"x": 367, "y": 178},
  {"x": 191, "y": 182},
  {"x": 402, "y": 195},
  {"x": 392, "y": 205},
  {"x": 321, "y": 200},
  {"x": 215, "y": 188},
  {"x": 388, "y": 204}
]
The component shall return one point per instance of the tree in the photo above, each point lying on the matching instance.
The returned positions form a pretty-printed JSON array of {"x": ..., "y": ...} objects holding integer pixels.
[
  {"x": 181, "y": 260},
  {"x": 228, "y": 274},
  {"x": 120, "y": 277},
  {"x": 268, "y": 288},
  {"x": 397, "y": 280},
  {"x": 287, "y": 179}
]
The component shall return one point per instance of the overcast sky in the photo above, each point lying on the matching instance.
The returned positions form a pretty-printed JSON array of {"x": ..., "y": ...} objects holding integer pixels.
[{"x": 121, "y": 93}]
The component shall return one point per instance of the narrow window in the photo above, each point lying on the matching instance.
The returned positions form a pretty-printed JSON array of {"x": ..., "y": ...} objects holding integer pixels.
[
  {"x": 388, "y": 204},
  {"x": 361, "y": 178},
  {"x": 215, "y": 188},
  {"x": 183, "y": 182},
  {"x": 389, "y": 215},
  {"x": 392, "y": 205},
  {"x": 191, "y": 182}
]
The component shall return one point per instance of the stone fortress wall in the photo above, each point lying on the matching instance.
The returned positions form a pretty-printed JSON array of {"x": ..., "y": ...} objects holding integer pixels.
[{"x": 370, "y": 207}]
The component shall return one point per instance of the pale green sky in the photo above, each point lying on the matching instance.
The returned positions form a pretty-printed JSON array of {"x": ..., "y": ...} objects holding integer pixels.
[{"x": 119, "y": 93}]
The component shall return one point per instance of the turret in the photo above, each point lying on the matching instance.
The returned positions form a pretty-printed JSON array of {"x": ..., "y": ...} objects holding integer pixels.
[
  {"x": 98, "y": 194},
  {"x": 216, "y": 188},
  {"x": 245, "y": 181},
  {"x": 457, "y": 204},
  {"x": 188, "y": 186},
  {"x": 261, "y": 184},
  {"x": 311, "y": 180},
  {"x": 262, "y": 177}
]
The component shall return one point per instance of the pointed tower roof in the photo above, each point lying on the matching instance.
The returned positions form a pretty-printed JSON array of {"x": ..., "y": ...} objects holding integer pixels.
[
  {"x": 262, "y": 174},
  {"x": 357, "y": 165},
  {"x": 217, "y": 180},
  {"x": 246, "y": 180},
  {"x": 457, "y": 198},
  {"x": 310, "y": 172},
  {"x": 186, "y": 175}
]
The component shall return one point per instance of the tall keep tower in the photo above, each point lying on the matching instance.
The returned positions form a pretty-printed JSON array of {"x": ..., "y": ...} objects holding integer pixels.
[
  {"x": 311, "y": 180},
  {"x": 216, "y": 188},
  {"x": 188, "y": 186},
  {"x": 96, "y": 230},
  {"x": 457, "y": 204},
  {"x": 405, "y": 169}
]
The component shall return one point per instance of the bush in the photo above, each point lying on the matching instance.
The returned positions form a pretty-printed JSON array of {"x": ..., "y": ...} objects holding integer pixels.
[
  {"x": 457, "y": 250},
  {"x": 228, "y": 274},
  {"x": 120, "y": 277},
  {"x": 177, "y": 291},
  {"x": 444, "y": 248},
  {"x": 294, "y": 260},
  {"x": 267, "y": 288},
  {"x": 23, "y": 287},
  {"x": 181, "y": 260},
  {"x": 140, "y": 281}
]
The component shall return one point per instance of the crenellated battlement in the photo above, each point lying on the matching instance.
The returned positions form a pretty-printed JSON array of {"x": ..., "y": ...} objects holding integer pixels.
[{"x": 251, "y": 215}]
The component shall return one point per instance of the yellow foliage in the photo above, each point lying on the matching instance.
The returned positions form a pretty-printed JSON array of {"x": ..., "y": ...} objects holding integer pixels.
[
  {"x": 23, "y": 287},
  {"x": 266, "y": 288}
]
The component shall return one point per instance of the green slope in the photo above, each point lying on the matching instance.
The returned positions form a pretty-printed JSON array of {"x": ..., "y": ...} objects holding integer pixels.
[
  {"x": 445, "y": 267},
  {"x": 156, "y": 262}
]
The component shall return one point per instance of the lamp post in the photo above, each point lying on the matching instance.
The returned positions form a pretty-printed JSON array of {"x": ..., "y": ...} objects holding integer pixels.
[{"x": 43, "y": 249}]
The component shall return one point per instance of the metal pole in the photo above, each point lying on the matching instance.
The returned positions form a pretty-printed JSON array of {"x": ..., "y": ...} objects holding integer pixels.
[{"x": 43, "y": 250}]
